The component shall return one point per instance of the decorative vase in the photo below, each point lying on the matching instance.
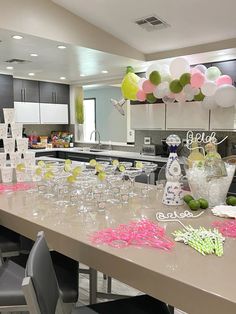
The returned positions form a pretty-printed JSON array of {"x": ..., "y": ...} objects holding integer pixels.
[{"x": 80, "y": 128}]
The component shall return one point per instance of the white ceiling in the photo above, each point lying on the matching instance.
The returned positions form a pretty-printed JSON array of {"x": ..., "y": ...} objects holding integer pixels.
[{"x": 192, "y": 22}]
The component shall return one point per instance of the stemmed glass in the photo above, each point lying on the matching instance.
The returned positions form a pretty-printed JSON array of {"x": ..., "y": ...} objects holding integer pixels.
[
  {"x": 148, "y": 169},
  {"x": 132, "y": 173}
]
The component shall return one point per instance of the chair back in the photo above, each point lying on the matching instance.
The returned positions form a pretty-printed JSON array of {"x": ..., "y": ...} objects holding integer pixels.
[{"x": 40, "y": 269}]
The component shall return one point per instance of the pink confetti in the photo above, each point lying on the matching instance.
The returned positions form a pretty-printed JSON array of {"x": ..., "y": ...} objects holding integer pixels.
[
  {"x": 227, "y": 228},
  {"x": 139, "y": 233},
  {"x": 20, "y": 186}
]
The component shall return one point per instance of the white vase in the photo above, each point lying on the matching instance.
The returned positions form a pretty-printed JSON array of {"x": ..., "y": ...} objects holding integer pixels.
[{"x": 80, "y": 132}]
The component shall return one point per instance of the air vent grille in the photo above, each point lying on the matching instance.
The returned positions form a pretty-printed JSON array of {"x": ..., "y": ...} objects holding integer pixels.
[
  {"x": 15, "y": 61},
  {"x": 151, "y": 23}
]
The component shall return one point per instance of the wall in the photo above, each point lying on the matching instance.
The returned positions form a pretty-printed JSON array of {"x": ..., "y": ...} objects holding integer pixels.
[{"x": 109, "y": 122}]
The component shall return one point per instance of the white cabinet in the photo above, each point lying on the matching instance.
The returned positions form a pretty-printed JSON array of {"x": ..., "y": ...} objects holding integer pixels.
[
  {"x": 147, "y": 117},
  {"x": 187, "y": 116},
  {"x": 54, "y": 113},
  {"x": 27, "y": 112},
  {"x": 223, "y": 119}
]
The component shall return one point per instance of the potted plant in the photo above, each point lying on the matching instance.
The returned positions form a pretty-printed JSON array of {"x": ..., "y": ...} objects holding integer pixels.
[{"x": 79, "y": 114}]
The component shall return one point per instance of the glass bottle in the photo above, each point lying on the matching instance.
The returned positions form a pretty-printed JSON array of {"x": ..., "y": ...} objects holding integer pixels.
[
  {"x": 214, "y": 165},
  {"x": 195, "y": 157}
]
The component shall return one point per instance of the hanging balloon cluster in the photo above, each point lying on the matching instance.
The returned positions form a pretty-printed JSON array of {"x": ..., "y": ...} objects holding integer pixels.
[{"x": 181, "y": 83}]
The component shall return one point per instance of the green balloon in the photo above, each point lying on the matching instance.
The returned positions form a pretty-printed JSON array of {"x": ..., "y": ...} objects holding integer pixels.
[
  {"x": 151, "y": 98},
  {"x": 175, "y": 86},
  {"x": 155, "y": 78},
  {"x": 185, "y": 79},
  {"x": 199, "y": 96},
  {"x": 212, "y": 73}
]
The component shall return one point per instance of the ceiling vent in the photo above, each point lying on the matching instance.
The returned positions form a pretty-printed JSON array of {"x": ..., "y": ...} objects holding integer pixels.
[
  {"x": 17, "y": 61},
  {"x": 151, "y": 23}
]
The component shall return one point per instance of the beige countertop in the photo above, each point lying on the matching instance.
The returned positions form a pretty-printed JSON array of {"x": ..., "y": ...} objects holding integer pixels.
[{"x": 182, "y": 277}]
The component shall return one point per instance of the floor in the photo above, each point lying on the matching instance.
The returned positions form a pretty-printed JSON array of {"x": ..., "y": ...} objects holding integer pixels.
[{"x": 117, "y": 288}]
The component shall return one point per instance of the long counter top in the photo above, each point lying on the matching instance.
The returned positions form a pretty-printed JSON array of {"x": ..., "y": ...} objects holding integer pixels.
[
  {"x": 110, "y": 153},
  {"x": 181, "y": 277}
]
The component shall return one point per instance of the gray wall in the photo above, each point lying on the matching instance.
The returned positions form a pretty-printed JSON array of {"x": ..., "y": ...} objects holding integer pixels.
[{"x": 109, "y": 122}]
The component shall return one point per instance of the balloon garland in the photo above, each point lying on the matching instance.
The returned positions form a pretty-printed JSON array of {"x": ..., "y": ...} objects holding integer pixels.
[{"x": 178, "y": 82}]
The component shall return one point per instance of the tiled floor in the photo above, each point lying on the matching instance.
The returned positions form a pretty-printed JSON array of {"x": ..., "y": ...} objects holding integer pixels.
[{"x": 117, "y": 288}]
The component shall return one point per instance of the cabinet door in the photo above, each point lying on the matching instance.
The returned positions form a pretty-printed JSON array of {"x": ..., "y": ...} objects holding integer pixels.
[
  {"x": 27, "y": 112},
  {"x": 54, "y": 113},
  {"x": 147, "y": 117},
  {"x": 47, "y": 92},
  {"x": 31, "y": 91},
  {"x": 18, "y": 89},
  {"x": 223, "y": 119},
  {"x": 187, "y": 116},
  {"x": 6, "y": 93},
  {"x": 62, "y": 94}
]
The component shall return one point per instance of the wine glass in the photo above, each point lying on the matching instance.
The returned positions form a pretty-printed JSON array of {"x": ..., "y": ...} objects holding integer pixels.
[
  {"x": 148, "y": 169},
  {"x": 132, "y": 173}
]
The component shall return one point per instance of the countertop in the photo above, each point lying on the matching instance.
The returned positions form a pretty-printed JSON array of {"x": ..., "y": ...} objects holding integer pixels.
[
  {"x": 110, "y": 153},
  {"x": 181, "y": 277}
]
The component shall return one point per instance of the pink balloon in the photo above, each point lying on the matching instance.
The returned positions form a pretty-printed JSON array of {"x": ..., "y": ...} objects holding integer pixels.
[
  {"x": 148, "y": 87},
  {"x": 194, "y": 70},
  {"x": 224, "y": 79},
  {"x": 141, "y": 96},
  {"x": 197, "y": 80}
]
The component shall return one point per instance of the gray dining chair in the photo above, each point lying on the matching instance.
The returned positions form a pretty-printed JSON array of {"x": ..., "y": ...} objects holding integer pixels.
[{"x": 42, "y": 295}]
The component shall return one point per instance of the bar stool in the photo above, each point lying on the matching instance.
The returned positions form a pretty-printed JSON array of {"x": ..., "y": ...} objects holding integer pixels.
[
  {"x": 41, "y": 292},
  {"x": 9, "y": 242}
]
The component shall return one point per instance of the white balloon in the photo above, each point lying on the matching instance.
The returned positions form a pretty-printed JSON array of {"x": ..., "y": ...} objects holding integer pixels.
[
  {"x": 140, "y": 82},
  {"x": 196, "y": 91},
  {"x": 209, "y": 103},
  {"x": 209, "y": 88},
  {"x": 163, "y": 69},
  {"x": 225, "y": 96},
  {"x": 189, "y": 92},
  {"x": 180, "y": 97},
  {"x": 162, "y": 90},
  {"x": 168, "y": 100},
  {"x": 179, "y": 66}
]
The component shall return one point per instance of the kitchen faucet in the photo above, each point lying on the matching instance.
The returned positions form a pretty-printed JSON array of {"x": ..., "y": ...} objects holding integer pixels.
[{"x": 99, "y": 137}]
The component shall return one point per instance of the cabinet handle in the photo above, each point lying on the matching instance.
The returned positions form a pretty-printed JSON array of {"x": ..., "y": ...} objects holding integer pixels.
[
  {"x": 21, "y": 94},
  {"x": 24, "y": 94},
  {"x": 52, "y": 97},
  {"x": 55, "y": 97}
]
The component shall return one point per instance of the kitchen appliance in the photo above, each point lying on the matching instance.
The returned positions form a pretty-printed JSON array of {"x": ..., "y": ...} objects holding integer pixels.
[
  {"x": 165, "y": 148},
  {"x": 149, "y": 150}
]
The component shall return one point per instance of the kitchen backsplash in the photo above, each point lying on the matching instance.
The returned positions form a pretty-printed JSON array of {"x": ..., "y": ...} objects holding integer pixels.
[{"x": 44, "y": 129}]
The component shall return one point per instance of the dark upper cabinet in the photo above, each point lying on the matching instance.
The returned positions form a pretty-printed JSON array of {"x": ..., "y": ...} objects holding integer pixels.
[
  {"x": 6, "y": 93},
  {"x": 26, "y": 90},
  {"x": 227, "y": 68},
  {"x": 54, "y": 93}
]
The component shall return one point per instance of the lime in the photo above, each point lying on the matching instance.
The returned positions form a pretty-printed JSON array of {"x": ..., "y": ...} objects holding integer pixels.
[
  {"x": 115, "y": 162},
  {"x": 102, "y": 175},
  {"x": 48, "y": 175},
  {"x": 41, "y": 163},
  {"x": 20, "y": 167},
  {"x": 194, "y": 205},
  {"x": 38, "y": 171},
  {"x": 67, "y": 168},
  {"x": 187, "y": 198},
  {"x": 231, "y": 200},
  {"x": 77, "y": 171},
  {"x": 203, "y": 203},
  {"x": 139, "y": 164},
  {"x": 71, "y": 179},
  {"x": 68, "y": 162},
  {"x": 122, "y": 168},
  {"x": 92, "y": 162},
  {"x": 99, "y": 167}
]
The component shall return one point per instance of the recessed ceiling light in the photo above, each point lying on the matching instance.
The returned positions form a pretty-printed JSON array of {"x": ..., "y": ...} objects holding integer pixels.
[
  {"x": 61, "y": 47},
  {"x": 17, "y": 37},
  {"x": 82, "y": 74},
  {"x": 34, "y": 55},
  {"x": 9, "y": 68},
  {"x": 31, "y": 74},
  {"x": 62, "y": 78},
  {"x": 104, "y": 71}
]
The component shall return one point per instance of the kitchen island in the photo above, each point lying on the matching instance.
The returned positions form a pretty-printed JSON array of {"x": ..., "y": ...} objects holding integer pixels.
[{"x": 181, "y": 277}]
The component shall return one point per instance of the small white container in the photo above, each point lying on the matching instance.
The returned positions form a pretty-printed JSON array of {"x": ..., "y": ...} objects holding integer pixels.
[
  {"x": 16, "y": 130},
  {"x": 22, "y": 145},
  {"x": 15, "y": 159},
  {"x": 3, "y": 130},
  {"x": 3, "y": 159},
  {"x": 9, "y": 115},
  {"x": 7, "y": 174},
  {"x": 29, "y": 158},
  {"x": 9, "y": 145}
]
